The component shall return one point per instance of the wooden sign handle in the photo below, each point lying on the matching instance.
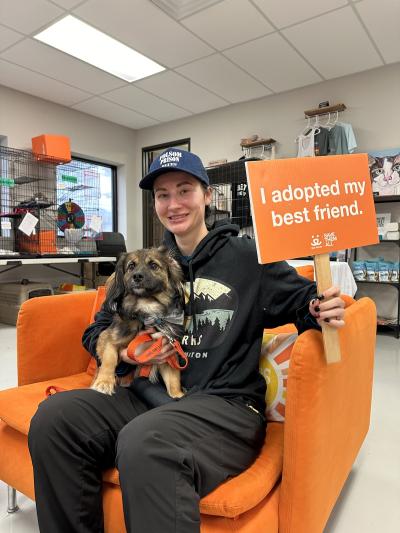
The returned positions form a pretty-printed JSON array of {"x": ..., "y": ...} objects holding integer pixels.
[{"x": 323, "y": 277}]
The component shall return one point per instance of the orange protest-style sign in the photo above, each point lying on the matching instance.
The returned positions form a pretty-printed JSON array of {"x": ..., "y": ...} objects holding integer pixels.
[{"x": 311, "y": 205}]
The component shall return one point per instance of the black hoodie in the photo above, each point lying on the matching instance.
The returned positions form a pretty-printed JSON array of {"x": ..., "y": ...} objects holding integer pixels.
[{"x": 230, "y": 299}]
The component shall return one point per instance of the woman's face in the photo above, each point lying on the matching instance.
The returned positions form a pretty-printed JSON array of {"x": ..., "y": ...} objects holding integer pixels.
[{"x": 180, "y": 202}]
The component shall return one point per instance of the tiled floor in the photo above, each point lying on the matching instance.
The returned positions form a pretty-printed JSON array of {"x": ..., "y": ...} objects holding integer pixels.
[{"x": 370, "y": 499}]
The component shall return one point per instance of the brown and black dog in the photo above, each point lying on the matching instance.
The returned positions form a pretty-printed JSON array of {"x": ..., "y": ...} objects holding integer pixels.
[{"x": 145, "y": 290}]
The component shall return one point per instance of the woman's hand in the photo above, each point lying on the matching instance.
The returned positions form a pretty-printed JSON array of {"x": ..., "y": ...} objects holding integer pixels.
[
  {"x": 328, "y": 308},
  {"x": 166, "y": 351}
]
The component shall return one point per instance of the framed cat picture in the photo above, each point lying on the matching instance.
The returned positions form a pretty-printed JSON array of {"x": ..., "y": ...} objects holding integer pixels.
[{"x": 384, "y": 167}]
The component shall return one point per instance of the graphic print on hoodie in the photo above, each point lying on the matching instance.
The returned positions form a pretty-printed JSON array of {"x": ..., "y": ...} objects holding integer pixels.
[{"x": 215, "y": 304}]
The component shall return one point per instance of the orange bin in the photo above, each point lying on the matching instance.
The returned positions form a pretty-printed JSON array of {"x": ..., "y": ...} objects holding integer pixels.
[
  {"x": 52, "y": 148},
  {"x": 43, "y": 242}
]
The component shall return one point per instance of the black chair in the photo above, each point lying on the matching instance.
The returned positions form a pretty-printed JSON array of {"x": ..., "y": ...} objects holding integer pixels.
[{"x": 112, "y": 244}]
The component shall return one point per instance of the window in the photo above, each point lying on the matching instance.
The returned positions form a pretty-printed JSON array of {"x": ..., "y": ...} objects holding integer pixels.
[{"x": 97, "y": 192}]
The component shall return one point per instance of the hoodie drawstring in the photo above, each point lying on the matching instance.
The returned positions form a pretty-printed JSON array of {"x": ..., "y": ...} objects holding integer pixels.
[{"x": 191, "y": 299}]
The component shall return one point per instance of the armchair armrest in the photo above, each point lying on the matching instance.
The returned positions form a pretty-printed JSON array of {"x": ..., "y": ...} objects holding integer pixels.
[
  {"x": 49, "y": 332},
  {"x": 327, "y": 418}
]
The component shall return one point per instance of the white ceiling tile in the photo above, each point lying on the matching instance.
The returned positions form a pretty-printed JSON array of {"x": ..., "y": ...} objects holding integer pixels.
[
  {"x": 67, "y": 4},
  {"x": 146, "y": 103},
  {"x": 274, "y": 62},
  {"x": 29, "y": 82},
  {"x": 180, "y": 91},
  {"x": 146, "y": 28},
  {"x": 114, "y": 113},
  {"x": 382, "y": 20},
  {"x": 336, "y": 44},
  {"x": 8, "y": 37},
  {"x": 27, "y": 17},
  {"x": 281, "y": 14},
  {"x": 222, "y": 25},
  {"x": 63, "y": 67},
  {"x": 224, "y": 78}
]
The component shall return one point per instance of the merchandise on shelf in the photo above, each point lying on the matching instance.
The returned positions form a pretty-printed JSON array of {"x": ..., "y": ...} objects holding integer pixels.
[{"x": 377, "y": 270}]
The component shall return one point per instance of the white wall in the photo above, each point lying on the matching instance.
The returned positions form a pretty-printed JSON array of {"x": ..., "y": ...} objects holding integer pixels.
[{"x": 372, "y": 99}]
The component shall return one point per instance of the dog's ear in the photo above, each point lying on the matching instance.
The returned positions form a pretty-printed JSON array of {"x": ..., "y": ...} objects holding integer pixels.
[
  {"x": 115, "y": 286},
  {"x": 162, "y": 249},
  {"x": 175, "y": 273}
]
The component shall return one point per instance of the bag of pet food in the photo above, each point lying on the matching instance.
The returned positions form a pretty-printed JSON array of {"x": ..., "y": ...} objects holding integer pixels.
[
  {"x": 359, "y": 270},
  {"x": 395, "y": 272},
  {"x": 372, "y": 270},
  {"x": 384, "y": 271}
]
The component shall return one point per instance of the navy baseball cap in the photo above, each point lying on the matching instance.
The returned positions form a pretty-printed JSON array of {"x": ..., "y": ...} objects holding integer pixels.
[{"x": 175, "y": 159}]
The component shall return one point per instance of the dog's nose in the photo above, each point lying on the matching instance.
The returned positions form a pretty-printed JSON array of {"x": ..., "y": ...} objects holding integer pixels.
[{"x": 138, "y": 277}]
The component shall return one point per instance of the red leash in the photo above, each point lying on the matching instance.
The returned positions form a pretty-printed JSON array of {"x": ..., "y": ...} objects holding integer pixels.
[{"x": 152, "y": 352}]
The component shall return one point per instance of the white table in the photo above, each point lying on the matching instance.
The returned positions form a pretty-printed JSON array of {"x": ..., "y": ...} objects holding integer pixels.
[
  {"x": 342, "y": 275},
  {"x": 12, "y": 262}
]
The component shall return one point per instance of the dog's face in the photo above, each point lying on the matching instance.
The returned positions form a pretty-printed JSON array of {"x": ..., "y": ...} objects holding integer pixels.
[
  {"x": 146, "y": 272},
  {"x": 150, "y": 272}
]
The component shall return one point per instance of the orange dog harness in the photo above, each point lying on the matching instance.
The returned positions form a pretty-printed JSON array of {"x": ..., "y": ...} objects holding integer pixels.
[{"x": 153, "y": 351}]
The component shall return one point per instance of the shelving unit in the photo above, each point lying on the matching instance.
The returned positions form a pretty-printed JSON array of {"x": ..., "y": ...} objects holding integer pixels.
[
  {"x": 257, "y": 148},
  {"x": 396, "y": 284},
  {"x": 337, "y": 108}
]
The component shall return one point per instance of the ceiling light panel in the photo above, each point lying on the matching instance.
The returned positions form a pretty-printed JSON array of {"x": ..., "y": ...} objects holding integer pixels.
[{"x": 76, "y": 38}]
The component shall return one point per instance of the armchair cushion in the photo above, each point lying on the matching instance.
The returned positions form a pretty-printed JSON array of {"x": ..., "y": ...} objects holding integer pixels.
[
  {"x": 19, "y": 404},
  {"x": 243, "y": 492}
]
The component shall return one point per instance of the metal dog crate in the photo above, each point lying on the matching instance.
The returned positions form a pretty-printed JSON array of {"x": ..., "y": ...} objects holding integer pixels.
[
  {"x": 231, "y": 195},
  {"x": 60, "y": 201},
  {"x": 13, "y": 295}
]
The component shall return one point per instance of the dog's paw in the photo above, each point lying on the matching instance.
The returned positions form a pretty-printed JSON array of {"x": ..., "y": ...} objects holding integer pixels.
[
  {"x": 104, "y": 386},
  {"x": 176, "y": 394}
]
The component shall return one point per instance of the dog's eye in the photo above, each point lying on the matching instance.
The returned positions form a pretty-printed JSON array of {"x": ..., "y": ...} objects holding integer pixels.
[
  {"x": 153, "y": 266},
  {"x": 131, "y": 265}
]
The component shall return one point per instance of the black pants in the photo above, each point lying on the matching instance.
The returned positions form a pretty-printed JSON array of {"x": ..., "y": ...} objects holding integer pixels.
[{"x": 168, "y": 457}]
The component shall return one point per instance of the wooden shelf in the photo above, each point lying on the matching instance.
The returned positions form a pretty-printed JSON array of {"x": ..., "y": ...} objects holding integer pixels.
[
  {"x": 388, "y": 198},
  {"x": 393, "y": 283},
  {"x": 258, "y": 142},
  {"x": 324, "y": 110}
]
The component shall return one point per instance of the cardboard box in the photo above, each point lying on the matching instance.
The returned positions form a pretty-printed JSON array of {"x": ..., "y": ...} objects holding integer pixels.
[{"x": 52, "y": 148}]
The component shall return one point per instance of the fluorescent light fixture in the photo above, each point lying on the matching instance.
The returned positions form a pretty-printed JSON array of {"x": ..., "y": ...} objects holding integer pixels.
[{"x": 78, "y": 39}]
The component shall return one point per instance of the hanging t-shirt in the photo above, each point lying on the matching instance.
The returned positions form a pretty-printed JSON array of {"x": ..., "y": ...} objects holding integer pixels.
[
  {"x": 337, "y": 141},
  {"x": 350, "y": 137},
  {"x": 321, "y": 142},
  {"x": 241, "y": 213},
  {"x": 306, "y": 144}
]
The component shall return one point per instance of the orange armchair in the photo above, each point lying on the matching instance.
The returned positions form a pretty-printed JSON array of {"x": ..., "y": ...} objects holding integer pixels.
[{"x": 297, "y": 478}]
